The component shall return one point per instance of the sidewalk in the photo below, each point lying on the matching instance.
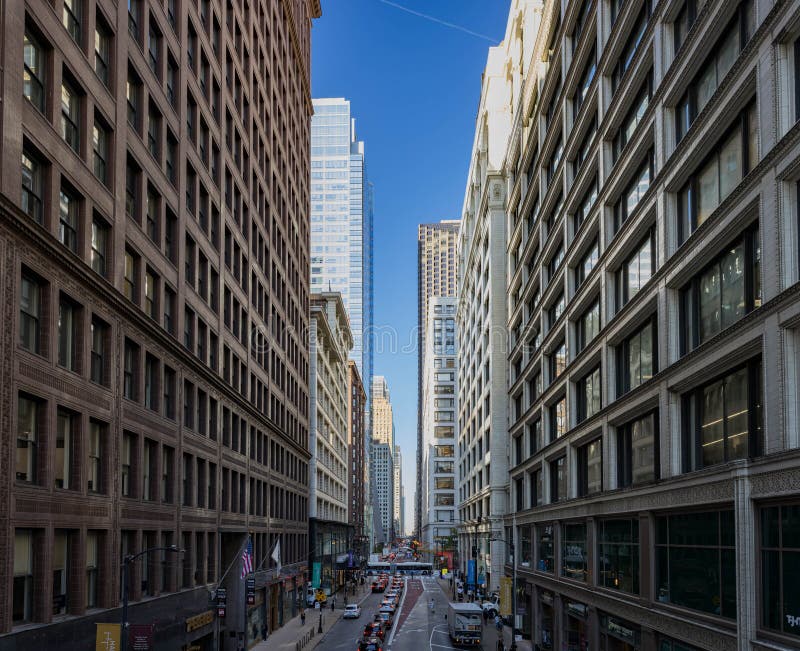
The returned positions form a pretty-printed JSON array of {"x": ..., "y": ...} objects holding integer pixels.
[
  {"x": 292, "y": 632},
  {"x": 490, "y": 633}
]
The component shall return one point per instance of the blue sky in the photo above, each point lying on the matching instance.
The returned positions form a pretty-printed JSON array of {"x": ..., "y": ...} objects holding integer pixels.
[{"x": 414, "y": 86}]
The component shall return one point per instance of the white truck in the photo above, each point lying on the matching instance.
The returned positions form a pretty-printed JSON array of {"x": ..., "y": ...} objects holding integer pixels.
[{"x": 465, "y": 623}]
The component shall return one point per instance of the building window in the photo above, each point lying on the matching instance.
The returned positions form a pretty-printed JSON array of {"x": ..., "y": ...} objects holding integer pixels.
[
  {"x": 70, "y": 115},
  {"x": 637, "y": 451},
  {"x": 780, "y": 560},
  {"x": 169, "y": 310},
  {"x": 154, "y": 48},
  {"x": 587, "y": 202},
  {"x": 135, "y": 19},
  {"x": 558, "y": 479},
  {"x": 618, "y": 554},
  {"x": 588, "y": 325},
  {"x": 67, "y": 334},
  {"x": 634, "y": 193},
  {"x": 130, "y": 371},
  {"x": 151, "y": 294},
  {"x": 102, "y": 50},
  {"x": 580, "y": 22},
  {"x": 22, "y": 599},
  {"x": 545, "y": 557},
  {"x": 696, "y": 561},
  {"x": 722, "y": 420},
  {"x": 724, "y": 292},
  {"x": 628, "y": 53},
  {"x": 65, "y": 426},
  {"x": 558, "y": 361},
  {"x": 683, "y": 23},
  {"x": 98, "y": 255},
  {"x": 583, "y": 154},
  {"x": 535, "y": 437},
  {"x": 727, "y": 164},
  {"x": 92, "y": 564},
  {"x": 589, "y": 396},
  {"x": 100, "y": 138},
  {"x": 537, "y": 496},
  {"x": 585, "y": 83},
  {"x": 573, "y": 552},
  {"x": 169, "y": 392},
  {"x": 27, "y": 450},
  {"x": 129, "y": 281},
  {"x": 32, "y": 186},
  {"x": 633, "y": 117},
  {"x": 590, "y": 468},
  {"x": 167, "y": 472},
  {"x": 126, "y": 460},
  {"x": 637, "y": 359},
  {"x": 30, "y": 313},
  {"x": 154, "y": 132},
  {"x": 33, "y": 71},
  {"x": 100, "y": 336},
  {"x": 558, "y": 419},
  {"x": 720, "y": 60},
  {"x": 69, "y": 206},
  {"x": 151, "y": 372},
  {"x": 132, "y": 175},
  {"x": 133, "y": 92},
  {"x": 98, "y": 433},
  {"x": 637, "y": 270},
  {"x": 71, "y": 17}
]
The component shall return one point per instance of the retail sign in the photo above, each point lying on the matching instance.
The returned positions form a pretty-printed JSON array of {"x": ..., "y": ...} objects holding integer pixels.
[
  {"x": 107, "y": 637},
  {"x": 316, "y": 574},
  {"x": 616, "y": 628},
  {"x": 471, "y": 567},
  {"x": 576, "y": 609},
  {"x": 140, "y": 637},
  {"x": 250, "y": 588},
  {"x": 505, "y": 595},
  {"x": 198, "y": 621},
  {"x": 793, "y": 621}
]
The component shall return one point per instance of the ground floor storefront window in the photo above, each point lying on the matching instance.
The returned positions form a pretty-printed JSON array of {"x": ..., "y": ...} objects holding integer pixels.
[
  {"x": 668, "y": 644},
  {"x": 780, "y": 569},
  {"x": 546, "y": 620},
  {"x": 576, "y": 627}
]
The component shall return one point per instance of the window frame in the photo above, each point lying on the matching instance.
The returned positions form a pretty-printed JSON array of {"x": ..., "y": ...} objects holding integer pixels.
[
  {"x": 624, "y": 380},
  {"x": 623, "y": 275},
  {"x": 625, "y": 470},
  {"x": 39, "y": 79}
]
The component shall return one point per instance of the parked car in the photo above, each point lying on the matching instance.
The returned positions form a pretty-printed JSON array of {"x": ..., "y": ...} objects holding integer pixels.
[
  {"x": 491, "y": 606},
  {"x": 351, "y": 611}
]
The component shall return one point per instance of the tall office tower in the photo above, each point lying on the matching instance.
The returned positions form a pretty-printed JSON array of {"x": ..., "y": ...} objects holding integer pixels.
[
  {"x": 439, "y": 414},
  {"x": 437, "y": 274},
  {"x": 382, "y": 464},
  {"x": 654, "y": 386},
  {"x": 381, "y": 410},
  {"x": 341, "y": 221},
  {"x": 483, "y": 341},
  {"x": 358, "y": 466},
  {"x": 153, "y": 216},
  {"x": 397, "y": 469},
  {"x": 329, "y": 425}
]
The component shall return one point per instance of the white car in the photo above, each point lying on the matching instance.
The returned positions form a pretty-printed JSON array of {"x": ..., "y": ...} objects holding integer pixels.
[{"x": 352, "y": 611}]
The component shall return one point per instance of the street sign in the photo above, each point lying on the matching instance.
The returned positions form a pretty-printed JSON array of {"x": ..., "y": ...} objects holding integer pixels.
[
  {"x": 251, "y": 591},
  {"x": 222, "y": 602}
]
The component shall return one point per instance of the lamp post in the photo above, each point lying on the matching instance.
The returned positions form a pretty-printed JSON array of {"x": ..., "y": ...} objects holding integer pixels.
[
  {"x": 126, "y": 561},
  {"x": 513, "y": 589}
]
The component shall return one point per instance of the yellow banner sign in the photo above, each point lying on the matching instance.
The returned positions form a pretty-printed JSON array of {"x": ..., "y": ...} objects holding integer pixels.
[
  {"x": 108, "y": 637},
  {"x": 198, "y": 621},
  {"x": 505, "y": 595}
]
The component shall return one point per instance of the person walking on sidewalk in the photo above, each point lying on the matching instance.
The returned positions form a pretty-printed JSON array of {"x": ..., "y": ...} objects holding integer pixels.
[
  {"x": 333, "y": 603},
  {"x": 302, "y": 617}
]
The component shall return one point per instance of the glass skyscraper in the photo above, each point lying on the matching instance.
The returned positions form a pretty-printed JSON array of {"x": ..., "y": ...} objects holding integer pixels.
[{"x": 341, "y": 222}]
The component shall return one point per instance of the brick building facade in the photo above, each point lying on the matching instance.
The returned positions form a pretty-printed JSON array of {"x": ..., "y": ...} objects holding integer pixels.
[{"x": 154, "y": 255}]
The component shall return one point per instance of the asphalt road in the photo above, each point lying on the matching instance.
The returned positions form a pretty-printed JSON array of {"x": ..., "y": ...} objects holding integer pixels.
[{"x": 417, "y": 627}]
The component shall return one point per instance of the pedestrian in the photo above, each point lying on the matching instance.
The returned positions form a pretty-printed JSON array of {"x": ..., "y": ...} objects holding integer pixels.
[
  {"x": 498, "y": 623},
  {"x": 500, "y": 645},
  {"x": 302, "y": 617},
  {"x": 333, "y": 603},
  {"x": 263, "y": 631},
  {"x": 485, "y": 616}
]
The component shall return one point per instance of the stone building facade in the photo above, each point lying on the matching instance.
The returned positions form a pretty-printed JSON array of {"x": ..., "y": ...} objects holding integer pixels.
[
  {"x": 652, "y": 267},
  {"x": 154, "y": 253}
]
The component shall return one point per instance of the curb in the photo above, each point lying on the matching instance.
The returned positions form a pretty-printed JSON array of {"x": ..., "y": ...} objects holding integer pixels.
[
  {"x": 336, "y": 621},
  {"x": 397, "y": 619}
]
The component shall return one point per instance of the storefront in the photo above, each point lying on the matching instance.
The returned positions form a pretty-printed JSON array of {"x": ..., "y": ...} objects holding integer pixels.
[
  {"x": 618, "y": 634},
  {"x": 576, "y": 626},
  {"x": 546, "y": 620}
]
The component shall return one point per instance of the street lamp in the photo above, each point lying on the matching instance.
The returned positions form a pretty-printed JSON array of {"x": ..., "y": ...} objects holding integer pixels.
[
  {"x": 126, "y": 561},
  {"x": 513, "y": 589}
]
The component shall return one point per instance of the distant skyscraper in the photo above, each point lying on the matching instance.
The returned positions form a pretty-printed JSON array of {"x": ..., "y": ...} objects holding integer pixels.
[
  {"x": 436, "y": 276},
  {"x": 341, "y": 221},
  {"x": 382, "y": 417},
  {"x": 398, "y": 490},
  {"x": 383, "y": 482}
]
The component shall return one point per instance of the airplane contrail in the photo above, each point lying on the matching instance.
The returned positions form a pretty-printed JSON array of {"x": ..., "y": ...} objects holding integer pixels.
[{"x": 437, "y": 20}]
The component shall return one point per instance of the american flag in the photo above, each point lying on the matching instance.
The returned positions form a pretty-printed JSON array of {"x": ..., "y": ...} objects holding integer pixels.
[{"x": 247, "y": 558}]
